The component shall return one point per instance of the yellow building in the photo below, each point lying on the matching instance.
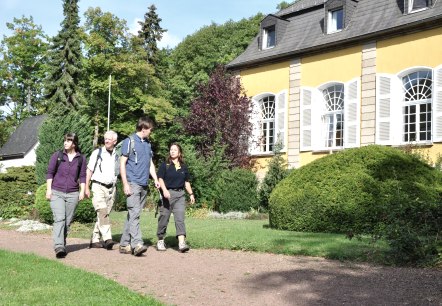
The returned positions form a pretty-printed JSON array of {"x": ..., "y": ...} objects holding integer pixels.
[{"x": 328, "y": 75}]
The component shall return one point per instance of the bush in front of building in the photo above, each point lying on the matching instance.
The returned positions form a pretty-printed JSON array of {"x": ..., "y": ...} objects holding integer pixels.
[
  {"x": 236, "y": 190},
  {"x": 277, "y": 171},
  {"x": 17, "y": 191},
  {"x": 84, "y": 213},
  {"x": 375, "y": 190}
]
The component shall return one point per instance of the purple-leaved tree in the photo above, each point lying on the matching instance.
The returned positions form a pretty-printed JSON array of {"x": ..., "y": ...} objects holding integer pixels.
[{"x": 220, "y": 115}]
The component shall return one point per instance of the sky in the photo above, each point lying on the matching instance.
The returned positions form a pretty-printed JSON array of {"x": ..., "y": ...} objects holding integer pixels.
[{"x": 179, "y": 17}]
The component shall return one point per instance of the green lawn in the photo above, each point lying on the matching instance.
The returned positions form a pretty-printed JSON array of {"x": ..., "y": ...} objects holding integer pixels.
[
  {"x": 31, "y": 280},
  {"x": 250, "y": 235}
]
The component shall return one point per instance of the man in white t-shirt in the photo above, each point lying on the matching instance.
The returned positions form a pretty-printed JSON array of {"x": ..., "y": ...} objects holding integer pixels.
[{"x": 101, "y": 172}]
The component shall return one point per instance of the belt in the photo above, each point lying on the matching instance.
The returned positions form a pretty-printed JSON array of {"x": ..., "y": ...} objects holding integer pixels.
[
  {"x": 104, "y": 185},
  {"x": 176, "y": 189}
]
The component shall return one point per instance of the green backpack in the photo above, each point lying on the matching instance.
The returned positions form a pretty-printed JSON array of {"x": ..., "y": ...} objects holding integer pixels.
[{"x": 118, "y": 153}]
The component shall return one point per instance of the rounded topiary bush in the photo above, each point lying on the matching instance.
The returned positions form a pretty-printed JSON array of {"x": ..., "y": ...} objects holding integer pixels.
[
  {"x": 84, "y": 213},
  {"x": 236, "y": 190},
  {"x": 362, "y": 190}
]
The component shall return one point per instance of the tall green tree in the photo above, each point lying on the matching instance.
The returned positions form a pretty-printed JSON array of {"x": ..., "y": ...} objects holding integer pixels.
[
  {"x": 151, "y": 33},
  {"x": 135, "y": 90},
  {"x": 195, "y": 58},
  {"x": 106, "y": 38},
  {"x": 65, "y": 58},
  {"x": 22, "y": 69}
]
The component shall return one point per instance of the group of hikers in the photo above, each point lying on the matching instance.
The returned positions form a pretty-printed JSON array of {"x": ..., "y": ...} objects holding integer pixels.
[{"x": 70, "y": 179}]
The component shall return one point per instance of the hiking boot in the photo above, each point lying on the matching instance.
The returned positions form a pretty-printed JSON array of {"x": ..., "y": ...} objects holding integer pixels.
[
  {"x": 60, "y": 253},
  {"x": 183, "y": 247},
  {"x": 95, "y": 245},
  {"x": 125, "y": 249},
  {"x": 109, "y": 244},
  {"x": 139, "y": 249},
  {"x": 161, "y": 245}
]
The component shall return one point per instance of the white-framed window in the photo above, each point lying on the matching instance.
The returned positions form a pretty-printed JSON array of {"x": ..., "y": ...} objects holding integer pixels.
[
  {"x": 417, "y": 97},
  {"x": 330, "y": 116},
  {"x": 268, "y": 120},
  {"x": 409, "y": 107},
  {"x": 417, "y": 5},
  {"x": 335, "y": 20},
  {"x": 267, "y": 139},
  {"x": 269, "y": 37},
  {"x": 333, "y": 117}
]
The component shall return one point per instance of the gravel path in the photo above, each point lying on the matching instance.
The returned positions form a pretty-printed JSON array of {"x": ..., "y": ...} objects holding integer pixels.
[{"x": 217, "y": 277}]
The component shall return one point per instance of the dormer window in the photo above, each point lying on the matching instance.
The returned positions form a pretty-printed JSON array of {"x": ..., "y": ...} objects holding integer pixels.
[
  {"x": 335, "y": 20},
  {"x": 269, "y": 37},
  {"x": 417, "y": 5}
]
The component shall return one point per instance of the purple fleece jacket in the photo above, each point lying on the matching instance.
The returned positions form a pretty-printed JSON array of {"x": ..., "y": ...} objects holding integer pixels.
[{"x": 64, "y": 179}]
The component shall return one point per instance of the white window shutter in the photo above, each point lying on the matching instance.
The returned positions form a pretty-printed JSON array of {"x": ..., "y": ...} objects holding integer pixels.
[
  {"x": 383, "y": 109},
  {"x": 437, "y": 104},
  {"x": 306, "y": 119},
  {"x": 280, "y": 116},
  {"x": 255, "y": 119},
  {"x": 318, "y": 110},
  {"x": 352, "y": 114}
]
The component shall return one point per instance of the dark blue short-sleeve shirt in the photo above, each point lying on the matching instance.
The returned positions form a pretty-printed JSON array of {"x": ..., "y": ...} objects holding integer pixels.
[{"x": 138, "y": 163}]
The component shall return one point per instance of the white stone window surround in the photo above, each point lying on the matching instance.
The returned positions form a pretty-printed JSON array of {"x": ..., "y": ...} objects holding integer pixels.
[{"x": 390, "y": 99}]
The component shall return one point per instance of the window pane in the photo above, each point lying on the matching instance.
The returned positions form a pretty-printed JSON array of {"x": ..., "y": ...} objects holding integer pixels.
[
  {"x": 268, "y": 123},
  {"x": 417, "y": 111},
  {"x": 334, "y": 115},
  {"x": 336, "y": 20},
  {"x": 271, "y": 37},
  {"x": 339, "y": 16},
  {"x": 419, "y": 4}
]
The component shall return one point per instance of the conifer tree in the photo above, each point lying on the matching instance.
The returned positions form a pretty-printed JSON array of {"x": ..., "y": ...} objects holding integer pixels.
[
  {"x": 151, "y": 32},
  {"x": 64, "y": 76},
  {"x": 51, "y": 137}
]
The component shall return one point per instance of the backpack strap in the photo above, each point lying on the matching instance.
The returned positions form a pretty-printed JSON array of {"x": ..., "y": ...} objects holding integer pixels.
[
  {"x": 59, "y": 160},
  {"x": 98, "y": 157},
  {"x": 131, "y": 147},
  {"x": 79, "y": 164}
]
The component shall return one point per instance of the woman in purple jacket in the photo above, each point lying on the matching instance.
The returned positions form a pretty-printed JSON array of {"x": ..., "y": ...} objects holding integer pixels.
[{"x": 65, "y": 180}]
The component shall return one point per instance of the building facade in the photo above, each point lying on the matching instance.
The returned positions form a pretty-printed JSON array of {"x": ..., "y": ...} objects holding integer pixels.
[{"x": 329, "y": 75}]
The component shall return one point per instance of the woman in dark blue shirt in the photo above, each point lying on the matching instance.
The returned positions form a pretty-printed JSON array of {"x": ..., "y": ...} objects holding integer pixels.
[{"x": 174, "y": 178}]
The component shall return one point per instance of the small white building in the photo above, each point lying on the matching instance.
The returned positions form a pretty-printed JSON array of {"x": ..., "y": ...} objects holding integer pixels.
[{"x": 20, "y": 148}]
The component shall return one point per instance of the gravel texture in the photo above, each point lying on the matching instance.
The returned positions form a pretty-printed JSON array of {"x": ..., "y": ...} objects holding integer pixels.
[{"x": 220, "y": 277}]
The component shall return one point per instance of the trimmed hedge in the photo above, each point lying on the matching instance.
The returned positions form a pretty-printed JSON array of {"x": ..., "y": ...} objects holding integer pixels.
[
  {"x": 374, "y": 190},
  {"x": 17, "y": 191},
  {"x": 84, "y": 213},
  {"x": 236, "y": 190}
]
